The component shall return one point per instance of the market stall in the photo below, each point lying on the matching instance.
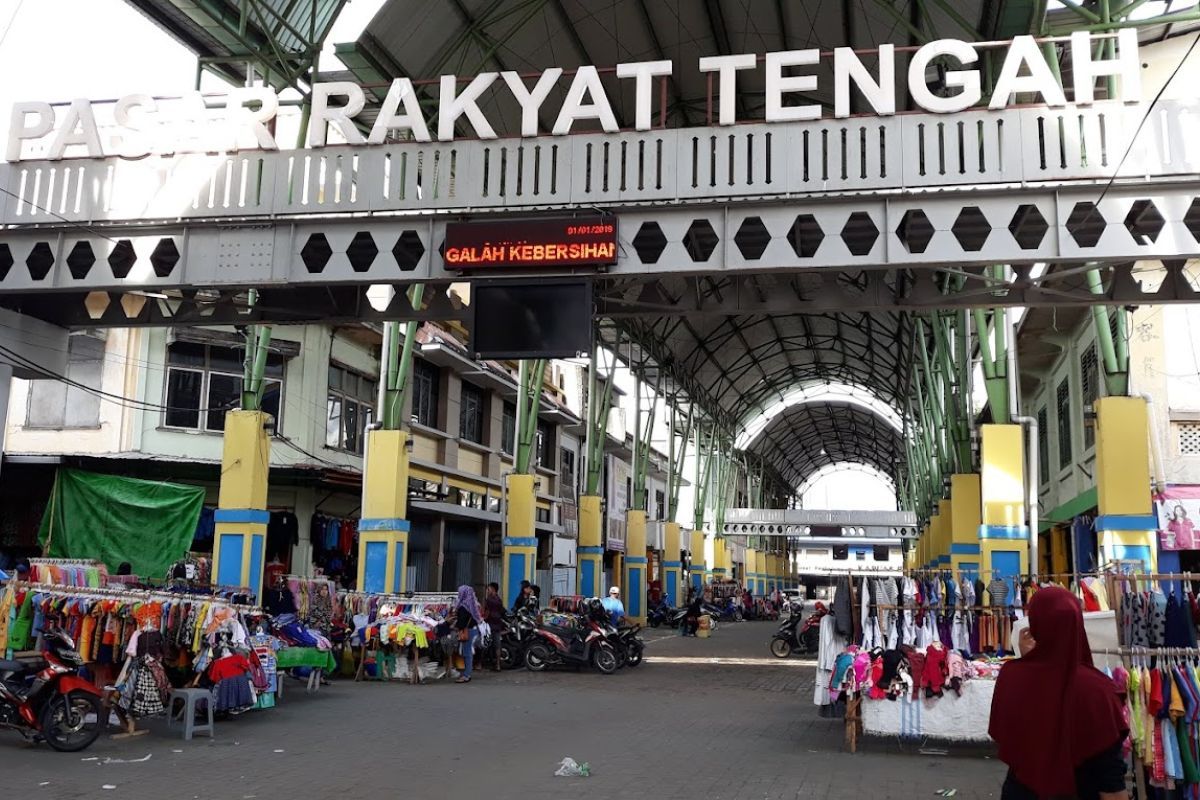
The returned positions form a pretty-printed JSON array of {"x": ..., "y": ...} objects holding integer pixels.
[{"x": 388, "y": 627}]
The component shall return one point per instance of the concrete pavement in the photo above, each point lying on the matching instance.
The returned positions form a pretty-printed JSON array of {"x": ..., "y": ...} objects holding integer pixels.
[{"x": 715, "y": 718}]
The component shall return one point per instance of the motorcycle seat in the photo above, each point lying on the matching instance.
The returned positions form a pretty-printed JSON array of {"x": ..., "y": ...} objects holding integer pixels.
[{"x": 13, "y": 668}]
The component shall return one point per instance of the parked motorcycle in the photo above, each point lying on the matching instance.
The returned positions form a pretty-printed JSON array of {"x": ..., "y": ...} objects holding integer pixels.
[
  {"x": 629, "y": 646},
  {"x": 49, "y": 700},
  {"x": 726, "y": 613},
  {"x": 660, "y": 613},
  {"x": 794, "y": 638},
  {"x": 518, "y": 633},
  {"x": 581, "y": 644}
]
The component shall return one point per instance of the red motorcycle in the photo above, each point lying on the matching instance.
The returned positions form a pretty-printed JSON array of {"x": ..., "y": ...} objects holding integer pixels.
[
  {"x": 581, "y": 642},
  {"x": 794, "y": 639},
  {"x": 46, "y": 698}
]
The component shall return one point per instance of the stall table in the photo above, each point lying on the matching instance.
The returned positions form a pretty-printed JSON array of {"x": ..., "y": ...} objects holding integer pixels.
[
  {"x": 320, "y": 660},
  {"x": 950, "y": 717}
]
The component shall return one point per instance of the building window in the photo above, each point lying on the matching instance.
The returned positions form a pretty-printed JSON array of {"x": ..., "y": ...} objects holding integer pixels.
[
  {"x": 660, "y": 504},
  {"x": 204, "y": 381},
  {"x": 470, "y": 414},
  {"x": 1043, "y": 444},
  {"x": 1063, "y": 417},
  {"x": 1089, "y": 382},
  {"x": 508, "y": 429},
  {"x": 426, "y": 384},
  {"x": 56, "y": 404},
  {"x": 566, "y": 475},
  {"x": 1189, "y": 438},
  {"x": 350, "y": 409},
  {"x": 545, "y": 445},
  {"x": 881, "y": 552}
]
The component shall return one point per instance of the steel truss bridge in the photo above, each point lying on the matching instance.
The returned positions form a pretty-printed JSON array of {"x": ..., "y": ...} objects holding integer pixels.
[{"x": 865, "y": 214}]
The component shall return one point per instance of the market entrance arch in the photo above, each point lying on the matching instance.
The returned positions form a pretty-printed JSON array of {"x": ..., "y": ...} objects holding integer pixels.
[{"x": 797, "y": 246}]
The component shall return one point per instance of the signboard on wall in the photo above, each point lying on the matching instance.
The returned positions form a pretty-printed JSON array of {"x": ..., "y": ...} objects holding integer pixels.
[
  {"x": 1178, "y": 516},
  {"x": 619, "y": 478}
]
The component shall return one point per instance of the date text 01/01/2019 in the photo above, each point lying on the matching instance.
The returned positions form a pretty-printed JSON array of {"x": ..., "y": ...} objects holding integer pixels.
[{"x": 584, "y": 230}]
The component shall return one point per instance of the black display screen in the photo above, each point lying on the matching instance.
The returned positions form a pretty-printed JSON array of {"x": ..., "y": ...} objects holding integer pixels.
[{"x": 546, "y": 319}]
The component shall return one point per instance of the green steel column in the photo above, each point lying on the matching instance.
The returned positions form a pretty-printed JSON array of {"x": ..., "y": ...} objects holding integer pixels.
[
  {"x": 1116, "y": 368},
  {"x": 529, "y": 397},
  {"x": 598, "y": 408}
]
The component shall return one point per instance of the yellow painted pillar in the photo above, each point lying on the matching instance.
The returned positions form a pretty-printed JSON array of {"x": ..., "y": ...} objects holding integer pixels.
[
  {"x": 672, "y": 565},
  {"x": 935, "y": 533},
  {"x": 965, "y": 519},
  {"x": 241, "y": 518},
  {"x": 383, "y": 528},
  {"x": 1003, "y": 535},
  {"x": 696, "y": 560},
  {"x": 720, "y": 559},
  {"x": 591, "y": 547},
  {"x": 520, "y": 536},
  {"x": 945, "y": 523},
  {"x": 751, "y": 567},
  {"x": 634, "y": 587},
  {"x": 710, "y": 558},
  {"x": 1126, "y": 523}
]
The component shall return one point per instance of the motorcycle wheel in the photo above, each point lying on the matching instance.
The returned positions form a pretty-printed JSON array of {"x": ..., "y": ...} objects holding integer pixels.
[
  {"x": 635, "y": 654},
  {"x": 64, "y": 721},
  {"x": 604, "y": 660},
  {"x": 537, "y": 658},
  {"x": 737, "y": 616},
  {"x": 713, "y": 626},
  {"x": 781, "y": 648},
  {"x": 655, "y": 622},
  {"x": 508, "y": 656}
]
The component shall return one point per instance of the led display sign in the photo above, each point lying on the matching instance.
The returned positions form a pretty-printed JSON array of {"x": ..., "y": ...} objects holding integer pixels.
[{"x": 562, "y": 242}]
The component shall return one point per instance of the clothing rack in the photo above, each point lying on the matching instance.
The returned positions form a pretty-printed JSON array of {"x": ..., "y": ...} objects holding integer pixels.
[
  {"x": 143, "y": 595},
  {"x": 68, "y": 562}
]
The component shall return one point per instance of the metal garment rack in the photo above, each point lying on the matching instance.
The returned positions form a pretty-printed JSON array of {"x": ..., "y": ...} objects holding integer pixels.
[{"x": 145, "y": 595}]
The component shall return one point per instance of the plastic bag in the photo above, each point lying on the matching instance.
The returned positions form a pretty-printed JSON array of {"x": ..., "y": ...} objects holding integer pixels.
[{"x": 570, "y": 769}]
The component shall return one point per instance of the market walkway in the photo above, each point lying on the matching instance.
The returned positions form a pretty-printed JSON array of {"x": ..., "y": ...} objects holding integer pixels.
[{"x": 680, "y": 726}]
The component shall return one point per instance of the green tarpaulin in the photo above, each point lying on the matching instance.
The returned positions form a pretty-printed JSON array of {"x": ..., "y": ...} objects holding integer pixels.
[{"x": 114, "y": 520}]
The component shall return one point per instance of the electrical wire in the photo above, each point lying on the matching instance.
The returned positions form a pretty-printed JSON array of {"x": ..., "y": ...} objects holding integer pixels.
[{"x": 1133, "y": 139}]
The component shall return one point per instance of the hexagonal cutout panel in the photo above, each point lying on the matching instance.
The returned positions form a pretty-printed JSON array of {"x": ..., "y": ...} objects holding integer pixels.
[
  {"x": 805, "y": 236},
  {"x": 915, "y": 230},
  {"x": 121, "y": 259},
  {"x": 752, "y": 238},
  {"x": 6, "y": 261},
  {"x": 1086, "y": 224},
  {"x": 1191, "y": 218},
  {"x": 316, "y": 253},
  {"x": 80, "y": 260},
  {"x": 650, "y": 242},
  {"x": 860, "y": 233},
  {"x": 164, "y": 257},
  {"x": 1028, "y": 227},
  {"x": 361, "y": 252},
  {"x": 1144, "y": 222},
  {"x": 971, "y": 229},
  {"x": 39, "y": 261},
  {"x": 408, "y": 251},
  {"x": 700, "y": 240}
]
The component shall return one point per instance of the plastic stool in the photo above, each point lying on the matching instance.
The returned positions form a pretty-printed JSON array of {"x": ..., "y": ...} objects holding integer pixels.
[{"x": 191, "y": 698}]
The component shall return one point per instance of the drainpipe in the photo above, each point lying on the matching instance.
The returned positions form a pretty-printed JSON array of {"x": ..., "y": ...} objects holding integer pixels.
[
  {"x": 1031, "y": 488},
  {"x": 1031, "y": 425},
  {"x": 1160, "y": 470}
]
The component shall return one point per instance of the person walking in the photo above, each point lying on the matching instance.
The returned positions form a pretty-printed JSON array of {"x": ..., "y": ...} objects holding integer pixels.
[
  {"x": 493, "y": 608},
  {"x": 1057, "y": 720},
  {"x": 466, "y": 622}
]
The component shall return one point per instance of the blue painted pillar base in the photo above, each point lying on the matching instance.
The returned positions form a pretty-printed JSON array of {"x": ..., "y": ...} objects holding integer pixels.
[
  {"x": 1128, "y": 537},
  {"x": 635, "y": 586},
  {"x": 239, "y": 548},
  {"x": 672, "y": 571},
  {"x": 383, "y": 555},
  {"x": 520, "y": 562},
  {"x": 591, "y": 571}
]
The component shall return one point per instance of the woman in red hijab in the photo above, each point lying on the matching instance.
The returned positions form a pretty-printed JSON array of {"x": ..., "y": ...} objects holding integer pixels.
[{"x": 1056, "y": 719}]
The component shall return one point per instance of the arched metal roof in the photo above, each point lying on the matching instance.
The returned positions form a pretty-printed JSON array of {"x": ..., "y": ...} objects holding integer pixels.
[{"x": 805, "y": 438}]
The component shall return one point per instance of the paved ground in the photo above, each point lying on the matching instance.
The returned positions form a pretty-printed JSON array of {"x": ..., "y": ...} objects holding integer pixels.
[{"x": 680, "y": 726}]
